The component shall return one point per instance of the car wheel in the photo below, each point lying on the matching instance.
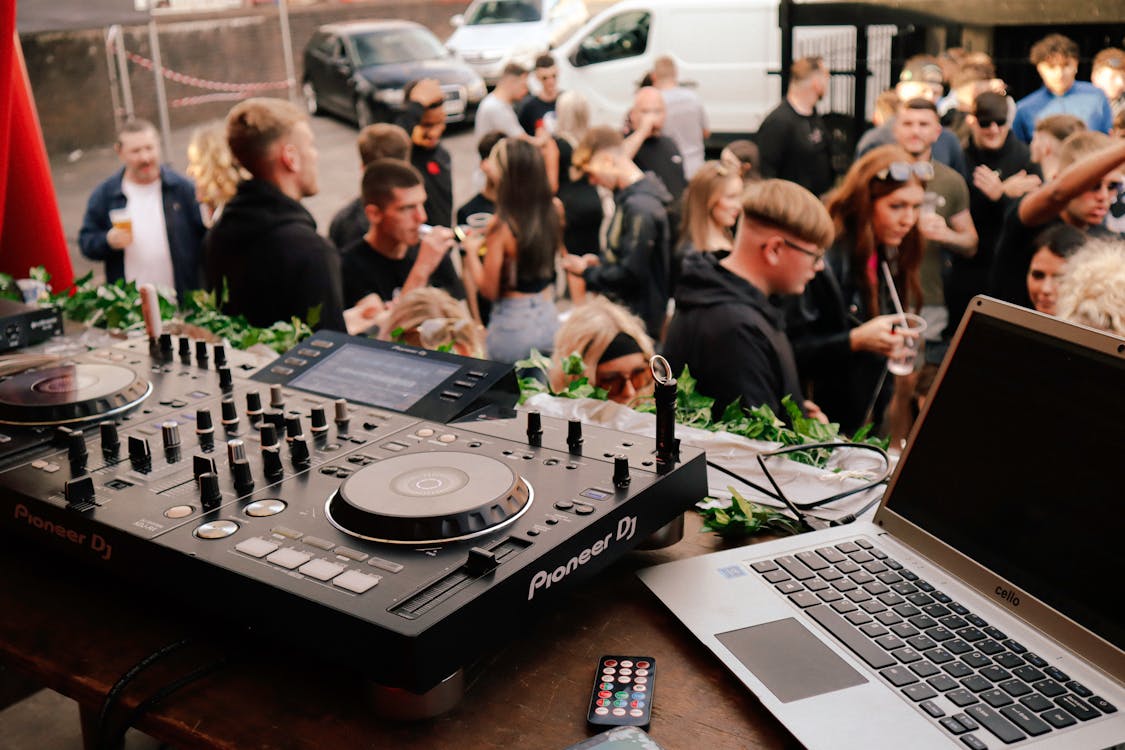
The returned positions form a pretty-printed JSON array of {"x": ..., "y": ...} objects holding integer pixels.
[
  {"x": 363, "y": 114},
  {"x": 311, "y": 103}
]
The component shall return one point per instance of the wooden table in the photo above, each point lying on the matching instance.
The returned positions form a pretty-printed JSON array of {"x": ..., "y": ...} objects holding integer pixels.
[{"x": 77, "y": 634}]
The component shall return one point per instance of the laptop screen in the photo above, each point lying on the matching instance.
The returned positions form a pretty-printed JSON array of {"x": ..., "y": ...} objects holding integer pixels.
[{"x": 1018, "y": 466}]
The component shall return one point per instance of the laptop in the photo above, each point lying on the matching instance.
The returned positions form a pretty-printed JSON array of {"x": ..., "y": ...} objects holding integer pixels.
[{"x": 983, "y": 606}]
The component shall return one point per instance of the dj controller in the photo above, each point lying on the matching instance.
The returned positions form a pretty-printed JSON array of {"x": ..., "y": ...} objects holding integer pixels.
[{"x": 379, "y": 505}]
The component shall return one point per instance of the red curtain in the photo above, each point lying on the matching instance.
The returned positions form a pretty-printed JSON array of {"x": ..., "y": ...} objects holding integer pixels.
[{"x": 31, "y": 232}]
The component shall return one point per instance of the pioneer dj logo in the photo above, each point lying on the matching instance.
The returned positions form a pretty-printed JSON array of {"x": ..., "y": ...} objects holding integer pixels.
[
  {"x": 96, "y": 542},
  {"x": 626, "y": 527}
]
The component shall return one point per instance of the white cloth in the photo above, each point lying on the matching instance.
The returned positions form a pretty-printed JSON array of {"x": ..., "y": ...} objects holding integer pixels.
[
  {"x": 148, "y": 259},
  {"x": 685, "y": 123},
  {"x": 496, "y": 114}
]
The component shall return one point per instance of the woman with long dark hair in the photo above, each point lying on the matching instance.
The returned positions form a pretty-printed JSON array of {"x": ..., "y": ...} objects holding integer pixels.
[
  {"x": 522, "y": 241},
  {"x": 845, "y": 325}
]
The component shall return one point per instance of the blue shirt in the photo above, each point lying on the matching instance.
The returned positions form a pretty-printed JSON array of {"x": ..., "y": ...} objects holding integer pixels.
[{"x": 1084, "y": 100}]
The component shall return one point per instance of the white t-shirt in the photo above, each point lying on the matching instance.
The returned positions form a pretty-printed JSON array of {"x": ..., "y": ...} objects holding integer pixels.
[
  {"x": 496, "y": 114},
  {"x": 148, "y": 259}
]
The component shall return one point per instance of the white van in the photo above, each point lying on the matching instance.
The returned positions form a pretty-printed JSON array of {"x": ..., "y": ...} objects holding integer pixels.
[{"x": 725, "y": 50}]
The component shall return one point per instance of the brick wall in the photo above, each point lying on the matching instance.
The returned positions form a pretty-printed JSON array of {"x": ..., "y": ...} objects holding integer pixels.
[{"x": 71, "y": 84}]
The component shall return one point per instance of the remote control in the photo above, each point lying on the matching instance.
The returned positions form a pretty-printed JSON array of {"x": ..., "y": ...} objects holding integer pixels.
[{"x": 623, "y": 691}]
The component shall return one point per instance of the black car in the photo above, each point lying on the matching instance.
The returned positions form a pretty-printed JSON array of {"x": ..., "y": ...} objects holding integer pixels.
[{"x": 358, "y": 70}]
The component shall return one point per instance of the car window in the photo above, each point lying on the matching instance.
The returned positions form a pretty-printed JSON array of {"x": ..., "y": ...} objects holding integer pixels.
[
  {"x": 622, "y": 36},
  {"x": 503, "y": 11},
  {"x": 397, "y": 46},
  {"x": 336, "y": 49}
]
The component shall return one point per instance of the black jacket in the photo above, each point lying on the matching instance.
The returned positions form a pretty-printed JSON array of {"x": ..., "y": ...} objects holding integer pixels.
[
  {"x": 637, "y": 271},
  {"x": 731, "y": 338},
  {"x": 275, "y": 266}
]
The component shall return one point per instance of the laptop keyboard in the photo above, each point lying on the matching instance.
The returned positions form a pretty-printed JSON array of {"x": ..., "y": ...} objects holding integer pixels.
[{"x": 928, "y": 646}]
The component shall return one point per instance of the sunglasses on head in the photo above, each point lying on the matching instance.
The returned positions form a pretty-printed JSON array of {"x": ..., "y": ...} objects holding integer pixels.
[
  {"x": 988, "y": 122},
  {"x": 900, "y": 171}
]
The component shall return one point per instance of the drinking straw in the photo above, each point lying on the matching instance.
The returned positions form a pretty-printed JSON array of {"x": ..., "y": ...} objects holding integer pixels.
[{"x": 894, "y": 293}]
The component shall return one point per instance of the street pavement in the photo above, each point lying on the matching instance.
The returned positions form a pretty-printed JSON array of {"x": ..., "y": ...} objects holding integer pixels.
[{"x": 76, "y": 175}]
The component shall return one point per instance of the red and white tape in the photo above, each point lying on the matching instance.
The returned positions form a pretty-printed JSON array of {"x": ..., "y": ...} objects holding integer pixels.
[{"x": 243, "y": 89}]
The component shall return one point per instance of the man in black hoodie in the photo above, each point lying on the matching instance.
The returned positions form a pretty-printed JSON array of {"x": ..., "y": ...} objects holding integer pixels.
[
  {"x": 265, "y": 248},
  {"x": 725, "y": 328},
  {"x": 637, "y": 271}
]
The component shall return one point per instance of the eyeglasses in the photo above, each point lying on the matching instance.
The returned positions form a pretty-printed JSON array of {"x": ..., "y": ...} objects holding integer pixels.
[
  {"x": 900, "y": 171},
  {"x": 817, "y": 257},
  {"x": 987, "y": 123},
  {"x": 614, "y": 382}
]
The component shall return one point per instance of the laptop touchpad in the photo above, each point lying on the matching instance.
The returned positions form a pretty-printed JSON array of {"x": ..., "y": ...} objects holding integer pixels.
[{"x": 792, "y": 662}]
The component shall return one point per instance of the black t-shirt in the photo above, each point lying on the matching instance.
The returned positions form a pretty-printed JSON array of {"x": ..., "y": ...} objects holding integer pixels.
[
  {"x": 531, "y": 111},
  {"x": 478, "y": 204},
  {"x": 797, "y": 148},
  {"x": 436, "y": 167},
  {"x": 582, "y": 207},
  {"x": 659, "y": 155},
  {"x": 365, "y": 270}
]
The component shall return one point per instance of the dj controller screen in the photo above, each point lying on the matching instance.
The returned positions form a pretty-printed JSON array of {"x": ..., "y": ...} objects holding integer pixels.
[{"x": 386, "y": 379}]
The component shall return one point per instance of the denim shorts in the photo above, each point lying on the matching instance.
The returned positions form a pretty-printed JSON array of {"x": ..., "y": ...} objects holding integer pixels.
[{"x": 519, "y": 324}]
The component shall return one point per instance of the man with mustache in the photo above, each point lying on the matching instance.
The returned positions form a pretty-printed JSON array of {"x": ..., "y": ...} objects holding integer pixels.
[{"x": 160, "y": 242}]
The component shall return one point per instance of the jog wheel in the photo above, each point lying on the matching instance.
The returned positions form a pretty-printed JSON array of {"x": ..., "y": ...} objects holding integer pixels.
[
  {"x": 427, "y": 498},
  {"x": 66, "y": 394}
]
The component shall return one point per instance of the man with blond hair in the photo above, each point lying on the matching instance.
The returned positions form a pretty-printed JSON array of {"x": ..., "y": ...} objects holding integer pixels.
[
  {"x": 685, "y": 120},
  {"x": 264, "y": 249},
  {"x": 725, "y": 329}
]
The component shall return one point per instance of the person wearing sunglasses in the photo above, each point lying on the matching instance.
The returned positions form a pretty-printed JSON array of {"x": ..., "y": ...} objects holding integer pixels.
[
  {"x": 1090, "y": 178},
  {"x": 726, "y": 328},
  {"x": 613, "y": 346},
  {"x": 1002, "y": 172},
  {"x": 844, "y": 326}
]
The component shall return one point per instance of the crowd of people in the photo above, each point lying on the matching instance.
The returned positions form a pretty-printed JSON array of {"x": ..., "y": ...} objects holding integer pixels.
[{"x": 766, "y": 271}]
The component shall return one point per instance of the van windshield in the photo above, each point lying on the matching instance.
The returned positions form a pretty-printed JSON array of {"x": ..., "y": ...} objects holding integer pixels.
[
  {"x": 396, "y": 46},
  {"x": 504, "y": 11}
]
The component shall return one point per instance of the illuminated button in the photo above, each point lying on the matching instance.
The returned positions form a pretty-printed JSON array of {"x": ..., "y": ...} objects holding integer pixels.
[
  {"x": 321, "y": 570},
  {"x": 626, "y": 663},
  {"x": 595, "y": 494},
  {"x": 178, "y": 511},
  {"x": 619, "y": 712},
  {"x": 387, "y": 565},
  {"x": 626, "y": 670},
  {"x": 621, "y": 694},
  {"x": 609, "y": 670},
  {"x": 604, "y": 693},
  {"x": 641, "y": 671},
  {"x": 624, "y": 679},
  {"x": 448, "y": 437},
  {"x": 281, "y": 370},
  {"x": 39, "y": 464},
  {"x": 289, "y": 558},
  {"x": 308, "y": 353},
  {"x": 263, "y": 508},
  {"x": 296, "y": 361},
  {"x": 321, "y": 344},
  {"x": 636, "y": 713},
  {"x": 355, "y": 581},
  {"x": 351, "y": 554},
  {"x": 642, "y": 664},
  {"x": 216, "y": 529},
  {"x": 256, "y": 547},
  {"x": 315, "y": 541},
  {"x": 605, "y": 686},
  {"x": 640, "y": 680},
  {"x": 287, "y": 532},
  {"x": 425, "y": 432},
  {"x": 601, "y": 710},
  {"x": 610, "y": 662},
  {"x": 51, "y": 468},
  {"x": 640, "y": 688},
  {"x": 621, "y": 704}
]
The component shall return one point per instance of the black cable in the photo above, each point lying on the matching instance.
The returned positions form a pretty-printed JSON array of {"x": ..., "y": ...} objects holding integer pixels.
[
  {"x": 115, "y": 738},
  {"x": 131, "y": 674}
]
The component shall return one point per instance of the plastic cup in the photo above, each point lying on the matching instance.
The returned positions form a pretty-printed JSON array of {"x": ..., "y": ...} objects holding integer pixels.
[
  {"x": 902, "y": 362},
  {"x": 121, "y": 219},
  {"x": 478, "y": 221}
]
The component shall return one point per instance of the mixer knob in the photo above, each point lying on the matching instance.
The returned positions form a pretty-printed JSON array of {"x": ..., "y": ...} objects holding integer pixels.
[
  {"x": 271, "y": 464},
  {"x": 340, "y": 412},
  {"x": 236, "y": 450},
  {"x": 79, "y": 491},
  {"x": 621, "y": 478},
  {"x": 319, "y": 420},
  {"x": 185, "y": 349},
  {"x": 299, "y": 452},
  {"x": 219, "y": 351},
  {"x": 268, "y": 435},
  {"x": 111, "y": 442},
  {"x": 253, "y": 406},
  {"x": 574, "y": 435},
  {"x": 203, "y": 465},
  {"x": 139, "y": 452},
  {"x": 226, "y": 381},
  {"x": 76, "y": 449},
  {"x": 293, "y": 429},
  {"x": 229, "y": 415},
  {"x": 170, "y": 432},
  {"x": 201, "y": 353},
  {"x": 240, "y": 472},
  {"x": 210, "y": 496},
  {"x": 277, "y": 398},
  {"x": 203, "y": 423},
  {"x": 534, "y": 429},
  {"x": 276, "y": 417},
  {"x": 166, "y": 345}
]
